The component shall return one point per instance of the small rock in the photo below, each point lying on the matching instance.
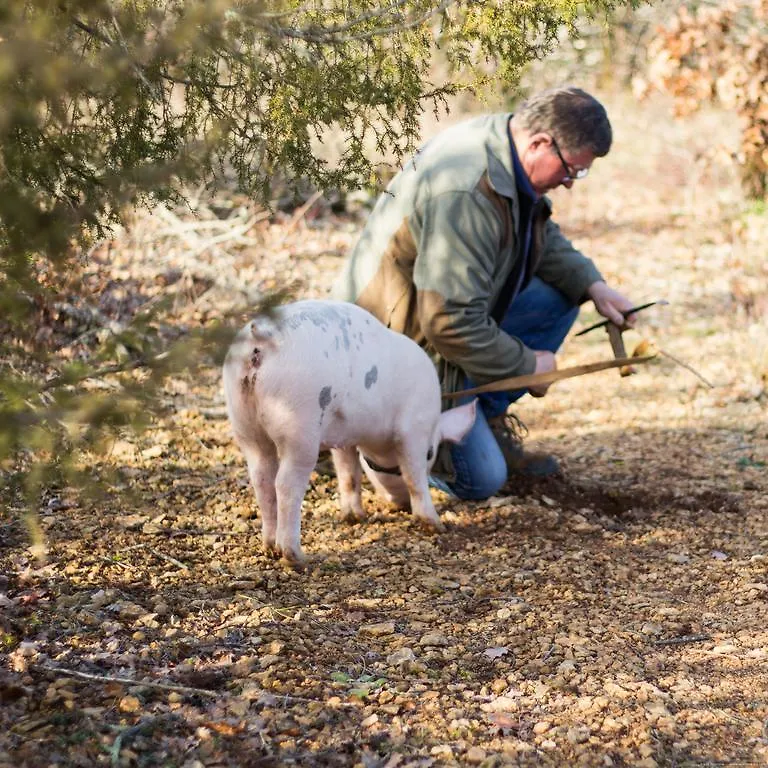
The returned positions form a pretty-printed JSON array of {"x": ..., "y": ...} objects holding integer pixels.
[
  {"x": 378, "y": 630},
  {"x": 474, "y": 755},
  {"x": 725, "y": 648},
  {"x": 127, "y": 610},
  {"x": 678, "y": 557},
  {"x": 501, "y": 704},
  {"x": 400, "y": 657},
  {"x": 129, "y": 704},
  {"x": 657, "y": 708},
  {"x": 435, "y": 639},
  {"x": 370, "y": 720},
  {"x": 102, "y": 597},
  {"x": 578, "y": 734},
  {"x": 238, "y": 707},
  {"x": 548, "y": 744}
]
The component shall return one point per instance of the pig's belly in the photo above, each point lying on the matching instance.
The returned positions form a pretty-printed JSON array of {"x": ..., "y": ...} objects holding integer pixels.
[{"x": 345, "y": 424}]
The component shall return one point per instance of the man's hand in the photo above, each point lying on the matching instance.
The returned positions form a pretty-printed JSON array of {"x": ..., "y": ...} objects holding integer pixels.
[
  {"x": 611, "y": 304},
  {"x": 545, "y": 362}
]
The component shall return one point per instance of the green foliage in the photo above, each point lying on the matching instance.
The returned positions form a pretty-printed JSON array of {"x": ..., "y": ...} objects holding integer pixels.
[{"x": 109, "y": 104}]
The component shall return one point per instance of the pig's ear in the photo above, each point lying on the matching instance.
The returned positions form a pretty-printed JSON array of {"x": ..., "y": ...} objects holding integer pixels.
[{"x": 456, "y": 422}]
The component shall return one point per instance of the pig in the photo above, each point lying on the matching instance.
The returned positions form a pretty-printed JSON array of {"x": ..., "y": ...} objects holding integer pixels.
[{"x": 316, "y": 375}]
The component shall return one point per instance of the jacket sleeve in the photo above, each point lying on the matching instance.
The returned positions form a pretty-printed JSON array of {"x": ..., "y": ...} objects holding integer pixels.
[
  {"x": 564, "y": 267},
  {"x": 457, "y": 274}
]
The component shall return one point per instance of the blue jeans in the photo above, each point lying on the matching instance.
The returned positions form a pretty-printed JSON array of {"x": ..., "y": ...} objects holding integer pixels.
[{"x": 540, "y": 316}]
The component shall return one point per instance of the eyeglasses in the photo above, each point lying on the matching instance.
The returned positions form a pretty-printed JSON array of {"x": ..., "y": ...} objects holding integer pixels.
[{"x": 571, "y": 173}]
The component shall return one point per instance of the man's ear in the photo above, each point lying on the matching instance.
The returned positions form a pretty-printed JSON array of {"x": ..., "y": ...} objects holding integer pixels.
[{"x": 540, "y": 139}]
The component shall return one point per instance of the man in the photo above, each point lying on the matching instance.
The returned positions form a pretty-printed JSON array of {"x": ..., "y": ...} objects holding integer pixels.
[{"x": 461, "y": 255}]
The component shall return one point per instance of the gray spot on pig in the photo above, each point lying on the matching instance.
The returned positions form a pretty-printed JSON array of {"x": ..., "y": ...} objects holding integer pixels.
[
  {"x": 325, "y": 397},
  {"x": 371, "y": 377},
  {"x": 256, "y": 357},
  {"x": 324, "y": 318},
  {"x": 345, "y": 334}
]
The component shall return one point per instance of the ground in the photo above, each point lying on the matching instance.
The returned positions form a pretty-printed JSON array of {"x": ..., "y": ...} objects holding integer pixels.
[{"x": 616, "y": 615}]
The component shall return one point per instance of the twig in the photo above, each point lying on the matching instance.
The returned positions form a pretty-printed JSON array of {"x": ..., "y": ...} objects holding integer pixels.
[
  {"x": 687, "y": 367},
  {"x": 170, "y": 559},
  {"x": 683, "y": 639},
  {"x": 193, "y": 532},
  {"x": 331, "y": 37},
  {"x": 129, "y": 681},
  {"x": 126, "y": 734},
  {"x": 299, "y": 215}
]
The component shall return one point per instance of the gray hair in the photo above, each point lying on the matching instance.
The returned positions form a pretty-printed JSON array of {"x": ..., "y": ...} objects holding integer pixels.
[{"x": 576, "y": 120}]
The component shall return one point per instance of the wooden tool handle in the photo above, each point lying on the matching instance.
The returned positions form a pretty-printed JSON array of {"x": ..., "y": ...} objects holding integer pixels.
[{"x": 536, "y": 379}]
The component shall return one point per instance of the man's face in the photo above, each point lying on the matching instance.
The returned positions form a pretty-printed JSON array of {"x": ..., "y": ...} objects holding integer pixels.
[{"x": 548, "y": 166}]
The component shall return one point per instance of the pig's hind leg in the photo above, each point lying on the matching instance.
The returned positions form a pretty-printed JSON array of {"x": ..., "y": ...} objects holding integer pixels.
[
  {"x": 296, "y": 465},
  {"x": 262, "y": 469},
  {"x": 348, "y": 473}
]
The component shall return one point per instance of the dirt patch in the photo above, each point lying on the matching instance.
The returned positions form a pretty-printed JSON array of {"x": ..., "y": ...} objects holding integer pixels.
[{"x": 613, "y": 616}]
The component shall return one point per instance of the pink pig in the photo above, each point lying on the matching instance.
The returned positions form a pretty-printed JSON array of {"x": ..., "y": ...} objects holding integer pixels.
[{"x": 326, "y": 374}]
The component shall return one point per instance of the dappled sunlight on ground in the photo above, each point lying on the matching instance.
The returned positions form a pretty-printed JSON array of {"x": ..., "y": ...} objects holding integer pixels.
[{"x": 615, "y": 615}]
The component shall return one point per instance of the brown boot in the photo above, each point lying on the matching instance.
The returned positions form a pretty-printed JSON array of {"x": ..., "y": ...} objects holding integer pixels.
[{"x": 509, "y": 432}]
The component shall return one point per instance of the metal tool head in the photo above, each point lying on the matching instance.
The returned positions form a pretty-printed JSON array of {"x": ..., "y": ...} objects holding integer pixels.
[{"x": 628, "y": 312}]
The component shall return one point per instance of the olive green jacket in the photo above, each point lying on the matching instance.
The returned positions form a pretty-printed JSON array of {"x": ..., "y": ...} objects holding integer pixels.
[{"x": 441, "y": 242}]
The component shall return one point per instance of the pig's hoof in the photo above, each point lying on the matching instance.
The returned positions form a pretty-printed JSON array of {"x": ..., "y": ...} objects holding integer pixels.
[
  {"x": 294, "y": 559},
  {"x": 352, "y": 518},
  {"x": 431, "y": 525},
  {"x": 271, "y": 550}
]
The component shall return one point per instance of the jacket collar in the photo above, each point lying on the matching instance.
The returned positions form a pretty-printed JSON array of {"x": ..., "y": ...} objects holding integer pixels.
[{"x": 501, "y": 172}]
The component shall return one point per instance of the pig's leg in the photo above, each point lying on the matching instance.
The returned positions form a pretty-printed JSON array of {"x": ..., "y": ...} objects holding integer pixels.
[
  {"x": 413, "y": 465},
  {"x": 262, "y": 469},
  {"x": 348, "y": 472},
  {"x": 296, "y": 465}
]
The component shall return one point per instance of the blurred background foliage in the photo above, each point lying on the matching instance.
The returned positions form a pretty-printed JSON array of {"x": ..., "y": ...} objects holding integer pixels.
[
  {"x": 113, "y": 104},
  {"x": 718, "y": 53}
]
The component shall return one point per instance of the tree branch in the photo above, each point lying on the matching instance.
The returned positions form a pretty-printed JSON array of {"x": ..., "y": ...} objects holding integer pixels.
[{"x": 332, "y": 36}]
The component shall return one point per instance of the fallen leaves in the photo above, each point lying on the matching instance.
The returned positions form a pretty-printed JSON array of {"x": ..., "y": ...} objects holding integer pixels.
[{"x": 562, "y": 622}]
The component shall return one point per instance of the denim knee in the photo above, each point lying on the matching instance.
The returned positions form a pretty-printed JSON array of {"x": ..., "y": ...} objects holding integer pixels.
[{"x": 479, "y": 480}]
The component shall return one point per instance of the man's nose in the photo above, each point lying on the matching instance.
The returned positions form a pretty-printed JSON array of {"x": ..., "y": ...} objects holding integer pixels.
[{"x": 567, "y": 183}]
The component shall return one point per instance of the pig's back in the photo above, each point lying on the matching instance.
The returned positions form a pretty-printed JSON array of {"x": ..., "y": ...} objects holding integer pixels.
[{"x": 335, "y": 369}]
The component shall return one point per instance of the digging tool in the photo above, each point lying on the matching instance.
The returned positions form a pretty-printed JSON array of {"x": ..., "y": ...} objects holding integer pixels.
[
  {"x": 537, "y": 379},
  {"x": 615, "y": 335}
]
